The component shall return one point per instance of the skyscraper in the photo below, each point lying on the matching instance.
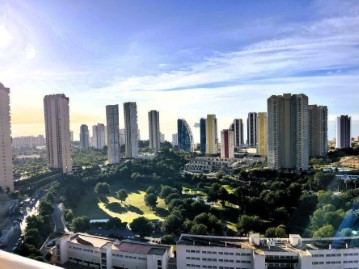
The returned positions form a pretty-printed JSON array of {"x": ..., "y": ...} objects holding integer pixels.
[
  {"x": 57, "y": 129},
  {"x": 288, "y": 131},
  {"x": 131, "y": 127},
  {"x": 252, "y": 129},
  {"x": 227, "y": 144},
  {"x": 154, "y": 130},
  {"x": 6, "y": 167},
  {"x": 98, "y": 136},
  {"x": 237, "y": 127},
  {"x": 113, "y": 134},
  {"x": 202, "y": 130},
  {"x": 211, "y": 134},
  {"x": 84, "y": 136},
  {"x": 318, "y": 130},
  {"x": 343, "y": 139},
  {"x": 175, "y": 139},
  {"x": 185, "y": 138},
  {"x": 262, "y": 133}
]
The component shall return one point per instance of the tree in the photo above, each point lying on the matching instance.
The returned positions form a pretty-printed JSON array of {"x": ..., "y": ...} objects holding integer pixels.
[
  {"x": 151, "y": 189},
  {"x": 275, "y": 232},
  {"x": 151, "y": 200},
  {"x": 141, "y": 226},
  {"x": 122, "y": 195},
  {"x": 168, "y": 240},
  {"x": 167, "y": 190},
  {"x": 199, "y": 229},
  {"x": 172, "y": 224},
  {"x": 102, "y": 188},
  {"x": 80, "y": 224},
  {"x": 248, "y": 223},
  {"x": 45, "y": 208},
  {"x": 114, "y": 223},
  {"x": 325, "y": 231}
]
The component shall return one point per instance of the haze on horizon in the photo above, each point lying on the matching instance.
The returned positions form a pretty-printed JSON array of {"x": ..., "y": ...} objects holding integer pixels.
[{"x": 184, "y": 58}]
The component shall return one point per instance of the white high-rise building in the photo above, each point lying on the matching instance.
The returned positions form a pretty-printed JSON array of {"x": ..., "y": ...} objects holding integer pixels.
[
  {"x": 343, "y": 139},
  {"x": 154, "y": 130},
  {"x": 6, "y": 167},
  {"x": 318, "y": 130},
  {"x": 131, "y": 127},
  {"x": 113, "y": 134},
  {"x": 227, "y": 144},
  {"x": 288, "y": 132},
  {"x": 122, "y": 136},
  {"x": 175, "y": 139},
  {"x": 211, "y": 134},
  {"x": 252, "y": 129},
  {"x": 57, "y": 127},
  {"x": 98, "y": 136}
]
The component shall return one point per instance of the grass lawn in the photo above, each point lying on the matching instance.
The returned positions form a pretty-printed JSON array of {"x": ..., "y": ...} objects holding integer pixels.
[{"x": 134, "y": 206}]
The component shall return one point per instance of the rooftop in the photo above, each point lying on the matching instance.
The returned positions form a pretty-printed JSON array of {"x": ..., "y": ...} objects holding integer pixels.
[
  {"x": 140, "y": 248},
  {"x": 90, "y": 240}
]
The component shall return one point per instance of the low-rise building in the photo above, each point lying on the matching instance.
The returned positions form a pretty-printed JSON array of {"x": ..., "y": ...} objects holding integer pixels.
[
  {"x": 105, "y": 253},
  {"x": 254, "y": 252},
  {"x": 207, "y": 164}
]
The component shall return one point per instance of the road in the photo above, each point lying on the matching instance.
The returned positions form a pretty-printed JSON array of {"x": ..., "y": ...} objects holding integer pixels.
[{"x": 58, "y": 218}]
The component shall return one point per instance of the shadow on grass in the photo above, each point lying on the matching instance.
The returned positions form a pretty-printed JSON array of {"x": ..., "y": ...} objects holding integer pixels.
[
  {"x": 134, "y": 209},
  {"x": 161, "y": 212},
  {"x": 103, "y": 199},
  {"x": 116, "y": 207}
]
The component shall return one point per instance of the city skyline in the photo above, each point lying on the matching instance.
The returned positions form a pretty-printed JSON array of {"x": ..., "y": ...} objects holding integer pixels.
[{"x": 225, "y": 61}]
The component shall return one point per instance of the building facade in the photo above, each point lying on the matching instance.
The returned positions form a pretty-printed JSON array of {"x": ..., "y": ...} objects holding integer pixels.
[
  {"x": 174, "y": 140},
  {"x": 237, "y": 127},
  {"x": 154, "y": 130},
  {"x": 252, "y": 129},
  {"x": 202, "y": 135},
  {"x": 84, "y": 136},
  {"x": 288, "y": 132},
  {"x": 28, "y": 141},
  {"x": 57, "y": 129},
  {"x": 211, "y": 134},
  {"x": 184, "y": 136},
  {"x": 318, "y": 130},
  {"x": 113, "y": 134},
  {"x": 131, "y": 129},
  {"x": 262, "y": 133},
  {"x": 343, "y": 139},
  {"x": 254, "y": 252},
  {"x": 6, "y": 167},
  {"x": 98, "y": 136},
  {"x": 105, "y": 253},
  {"x": 227, "y": 144}
]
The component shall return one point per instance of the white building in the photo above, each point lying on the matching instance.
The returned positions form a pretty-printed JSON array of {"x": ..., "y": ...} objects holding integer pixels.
[
  {"x": 211, "y": 134},
  {"x": 57, "y": 127},
  {"x": 28, "y": 141},
  {"x": 237, "y": 127},
  {"x": 154, "y": 130},
  {"x": 106, "y": 253},
  {"x": 254, "y": 252},
  {"x": 6, "y": 167},
  {"x": 174, "y": 140},
  {"x": 113, "y": 134},
  {"x": 207, "y": 164},
  {"x": 98, "y": 136},
  {"x": 131, "y": 127}
]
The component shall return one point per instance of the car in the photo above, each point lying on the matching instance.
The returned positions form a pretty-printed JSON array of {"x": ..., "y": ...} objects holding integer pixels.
[{"x": 50, "y": 243}]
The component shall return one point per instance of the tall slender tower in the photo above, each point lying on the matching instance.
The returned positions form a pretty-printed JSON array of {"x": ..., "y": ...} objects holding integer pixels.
[
  {"x": 113, "y": 134},
  {"x": 131, "y": 127},
  {"x": 57, "y": 127},
  {"x": 84, "y": 136},
  {"x": 343, "y": 132},
  {"x": 288, "y": 131},
  {"x": 237, "y": 127},
  {"x": 262, "y": 133},
  {"x": 211, "y": 134},
  {"x": 154, "y": 130},
  {"x": 252, "y": 129},
  {"x": 202, "y": 128},
  {"x": 98, "y": 136},
  {"x": 6, "y": 167},
  {"x": 227, "y": 144},
  {"x": 318, "y": 130}
]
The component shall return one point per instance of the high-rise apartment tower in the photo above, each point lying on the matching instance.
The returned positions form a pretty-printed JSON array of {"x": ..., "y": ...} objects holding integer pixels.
[
  {"x": 262, "y": 133},
  {"x": 318, "y": 130},
  {"x": 6, "y": 167},
  {"x": 57, "y": 129},
  {"x": 131, "y": 127},
  {"x": 227, "y": 144},
  {"x": 113, "y": 134},
  {"x": 84, "y": 136},
  {"x": 343, "y": 139},
  {"x": 252, "y": 129},
  {"x": 211, "y": 134},
  {"x": 154, "y": 130}
]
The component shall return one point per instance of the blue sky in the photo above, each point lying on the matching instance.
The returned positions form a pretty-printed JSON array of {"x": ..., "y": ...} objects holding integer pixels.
[{"x": 183, "y": 58}]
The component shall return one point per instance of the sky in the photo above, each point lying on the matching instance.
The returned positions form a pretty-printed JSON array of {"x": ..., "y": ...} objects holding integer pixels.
[{"x": 184, "y": 58}]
